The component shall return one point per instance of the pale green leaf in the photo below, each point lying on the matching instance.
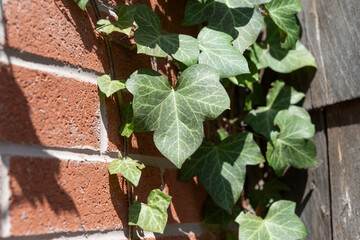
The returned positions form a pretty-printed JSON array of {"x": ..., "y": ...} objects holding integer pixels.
[
  {"x": 153, "y": 216},
  {"x": 217, "y": 52},
  {"x": 176, "y": 115},
  {"x": 222, "y": 134},
  {"x": 291, "y": 145},
  {"x": 279, "y": 97},
  {"x": 129, "y": 168},
  {"x": 108, "y": 86},
  {"x": 283, "y": 13},
  {"x": 123, "y": 24},
  {"x": 274, "y": 56},
  {"x": 280, "y": 222},
  {"x": 82, "y": 3},
  {"x": 221, "y": 169},
  {"x": 151, "y": 41}
]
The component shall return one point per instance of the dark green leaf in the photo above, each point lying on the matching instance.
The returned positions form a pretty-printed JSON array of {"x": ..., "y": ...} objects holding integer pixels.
[
  {"x": 280, "y": 222},
  {"x": 82, "y": 3},
  {"x": 153, "y": 216},
  {"x": 213, "y": 214},
  {"x": 176, "y": 115},
  {"x": 127, "y": 125}
]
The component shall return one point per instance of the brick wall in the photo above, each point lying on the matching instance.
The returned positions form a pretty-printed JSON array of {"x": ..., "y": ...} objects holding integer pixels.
[{"x": 58, "y": 134}]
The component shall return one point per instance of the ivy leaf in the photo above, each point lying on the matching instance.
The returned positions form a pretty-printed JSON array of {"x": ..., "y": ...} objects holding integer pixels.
[
  {"x": 150, "y": 41},
  {"x": 245, "y": 80},
  {"x": 279, "y": 97},
  {"x": 213, "y": 214},
  {"x": 176, "y": 115},
  {"x": 221, "y": 169},
  {"x": 123, "y": 24},
  {"x": 217, "y": 52},
  {"x": 280, "y": 222},
  {"x": 129, "y": 168},
  {"x": 269, "y": 194},
  {"x": 291, "y": 145},
  {"x": 108, "y": 86},
  {"x": 82, "y": 3},
  {"x": 274, "y": 56},
  {"x": 127, "y": 126},
  {"x": 239, "y": 18},
  {"x": 153, "y": 216},
  {"x": 283, "y": 13}
]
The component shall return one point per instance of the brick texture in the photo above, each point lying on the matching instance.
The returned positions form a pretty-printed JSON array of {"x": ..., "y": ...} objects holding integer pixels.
[{"x": 40, "y": 108}]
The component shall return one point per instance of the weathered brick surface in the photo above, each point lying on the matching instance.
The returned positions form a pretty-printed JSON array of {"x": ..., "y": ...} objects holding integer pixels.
[
  {"x": 41, "y": 108},
  {"x": 187, "y": 198}
]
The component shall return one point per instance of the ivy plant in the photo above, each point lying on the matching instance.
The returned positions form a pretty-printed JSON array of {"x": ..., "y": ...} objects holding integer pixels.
[{"x": 222, "y": 82}]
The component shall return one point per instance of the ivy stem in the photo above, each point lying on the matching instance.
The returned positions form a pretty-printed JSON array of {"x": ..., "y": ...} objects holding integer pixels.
[{"x": 119, "y": 101}]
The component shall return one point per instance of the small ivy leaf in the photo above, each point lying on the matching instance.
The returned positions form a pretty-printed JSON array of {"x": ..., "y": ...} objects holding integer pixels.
[
  {"x": 176, "y": 115},
  {"x": 280, "y": 97},
  {"x": 222, "y": 134},
  {"x": 221, "y": 169},
  {"x": 256, "y": 96},
  {"x": 291, "y": 145},
  {"x": 240, "y": 19},
  {"x": 280, "y": 222},
  {"x": 123, "y": 24},
  {"x": 82, "y": 3},
  {"x": 274, "y": 56},
  {"x": 283, "y": 13},
  {"x": 127, "y": 126},
  {"x": 217, "y": 52},
  {"x": 268, "y": 195},
  {"x": 129, "y": 168},
  {"x": 108, "y": 86},
  {"x": 213, "y": 214},
  {"x": 150, "y": 41},
  {"x": 153, "y": 216}
]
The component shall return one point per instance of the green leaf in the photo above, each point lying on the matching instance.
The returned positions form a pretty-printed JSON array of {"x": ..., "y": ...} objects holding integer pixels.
[
  {"x": 176, "y": 115},
  {"x": 221, "y": 169},
  {"x": 274, "y": 56},
  {"x": 222, "y": 134},
  {"x": 150, "y": 41},
  {"x": 291, "y": 146},
  {"x": 108, "y": 86},
  {"x": 239, "y": 18},
  {"x": 268, "y": 195},
  {"x": 129, "y": 168},
  {"x": 123, "y": 24},
  {"x": 283, "y": 13},
  {"x": 127, "y": 125},
  {"x": 82, "y": 3},
  {"x": 279, "y": 97},
  {"x": 213, "y": 214},
  {"x": 153, "y": 216},
  {"x": 280, "y": 222},
  {"x": 217, "y": 52},
  {"x": 245, "y": 80}
]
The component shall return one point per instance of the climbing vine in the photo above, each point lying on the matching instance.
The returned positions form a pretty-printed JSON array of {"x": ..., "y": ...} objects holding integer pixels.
[{"x": 221, "y": 84}]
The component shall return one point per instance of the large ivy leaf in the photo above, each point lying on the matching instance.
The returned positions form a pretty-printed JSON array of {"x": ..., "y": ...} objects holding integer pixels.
[
  {"x": 217, "y": 52},
  {"x": 150, "y": 41},
  {"x": 291, "y": 145},
  {"x": 239, "y": 18},
  {"x": 283, "y": 13},
  {"x": 123, "y": 24},
  {"x": 129, "y": 168},
  {"x": 176, "y": 115},
  {"x": 82, "y": 3},
  {"x": 108, "y": 86},
  {"x": 153, "y": 216},
  {"x": 280, "y": 222},
  {"x": 279, "y": 97},
  {"x": 221, "y": 169},
  {"x": 277, "y": 58}
]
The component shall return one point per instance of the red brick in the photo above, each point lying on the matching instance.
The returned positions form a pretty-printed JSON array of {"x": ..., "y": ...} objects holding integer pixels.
[
  {"x": 41, "y": 108},
  {"x": 187, "y": 198}
]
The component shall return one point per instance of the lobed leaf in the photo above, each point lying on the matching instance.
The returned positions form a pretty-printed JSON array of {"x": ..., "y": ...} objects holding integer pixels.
[
  {"x": 176, "y": 114},
  {"x": 129, "y": 168},
  {"x": 108, "y": 86},
  {"x": 280, "y": 222},
  {"x": 153, "y": 216}
]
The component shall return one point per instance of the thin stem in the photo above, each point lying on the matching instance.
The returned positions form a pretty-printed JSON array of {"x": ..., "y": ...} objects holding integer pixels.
[{"x": 119, "y": 102}]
